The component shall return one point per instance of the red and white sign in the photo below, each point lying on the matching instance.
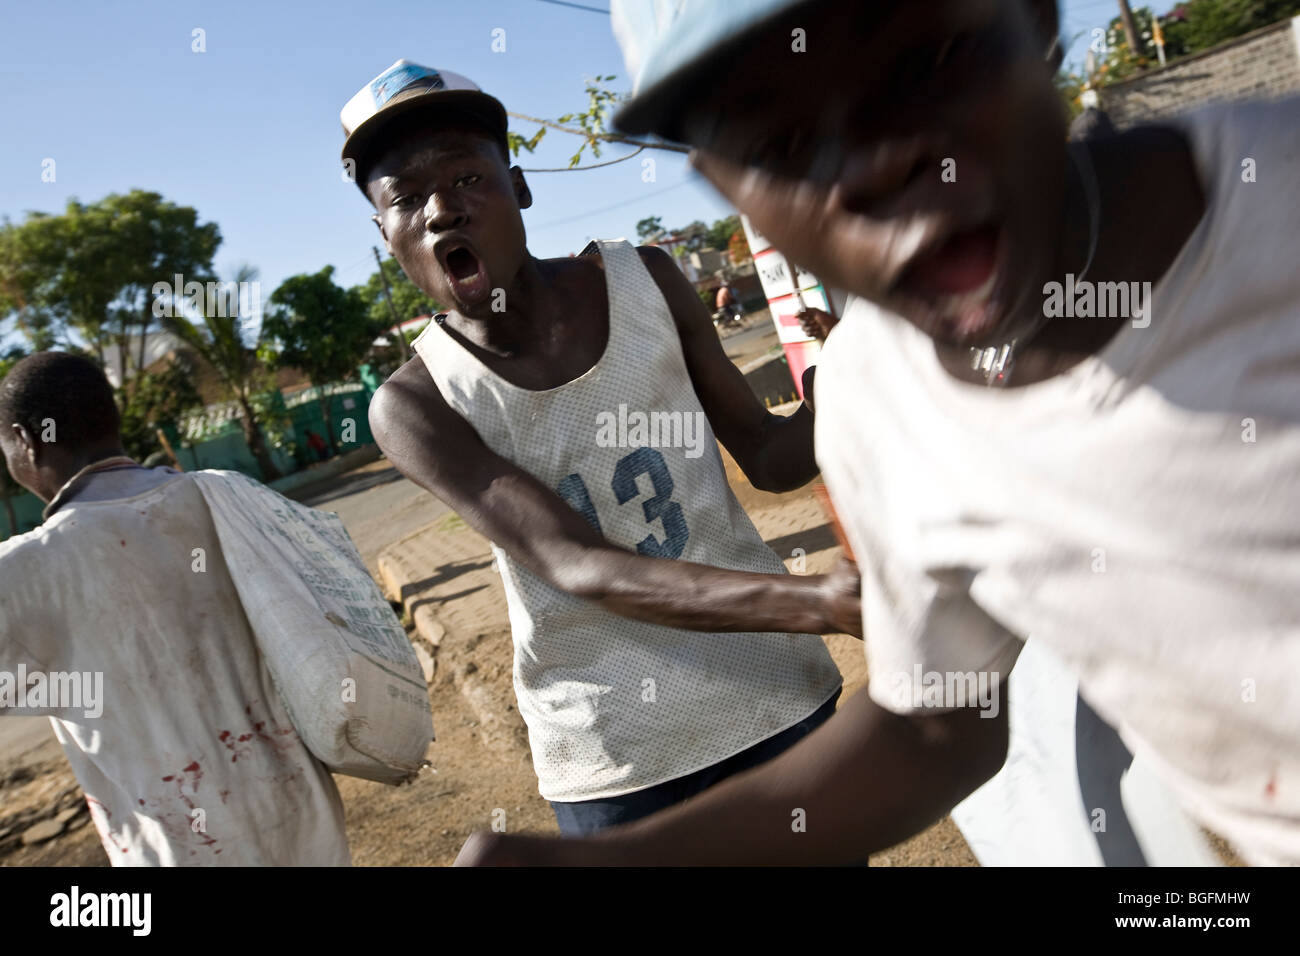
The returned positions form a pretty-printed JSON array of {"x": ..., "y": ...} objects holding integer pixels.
[{"x": 784, "y": 285}]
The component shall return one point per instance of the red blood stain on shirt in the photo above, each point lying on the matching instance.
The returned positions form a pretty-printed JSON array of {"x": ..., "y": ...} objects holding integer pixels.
[
  {"x": 91, "y": 802},
  {"x": 281, "y": 739},
  {"x": 1270, "y": 789}
]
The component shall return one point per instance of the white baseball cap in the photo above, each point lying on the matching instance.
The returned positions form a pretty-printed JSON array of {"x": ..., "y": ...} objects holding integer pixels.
[{"x": 405, "y": 86}]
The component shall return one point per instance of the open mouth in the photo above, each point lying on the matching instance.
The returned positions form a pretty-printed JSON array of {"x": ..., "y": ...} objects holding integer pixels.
[
  {"x": 957, "y": 280},
  {"x": 469, "y": 279}
]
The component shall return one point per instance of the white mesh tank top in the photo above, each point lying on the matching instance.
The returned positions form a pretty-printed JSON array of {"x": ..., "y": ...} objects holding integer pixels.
[{"x": 612, "y": 704}]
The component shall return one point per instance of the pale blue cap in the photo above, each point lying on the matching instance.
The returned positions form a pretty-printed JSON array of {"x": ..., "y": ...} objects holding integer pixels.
[{"x": 664, "y": 42}]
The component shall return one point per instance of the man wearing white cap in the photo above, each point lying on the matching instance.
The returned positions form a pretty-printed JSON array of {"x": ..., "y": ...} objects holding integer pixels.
[{"x": 567, "y": 410}]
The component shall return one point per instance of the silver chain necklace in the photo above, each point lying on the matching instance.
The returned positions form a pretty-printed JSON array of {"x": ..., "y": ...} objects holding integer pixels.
[{"x": 995, "y": 361}]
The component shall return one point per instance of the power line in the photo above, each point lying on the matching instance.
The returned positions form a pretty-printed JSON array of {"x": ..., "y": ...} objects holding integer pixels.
[{"x": 576, "y": 6}]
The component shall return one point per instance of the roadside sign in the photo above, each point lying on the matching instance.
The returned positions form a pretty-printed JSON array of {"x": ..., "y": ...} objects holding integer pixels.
[{"x": 788, "y": 290}]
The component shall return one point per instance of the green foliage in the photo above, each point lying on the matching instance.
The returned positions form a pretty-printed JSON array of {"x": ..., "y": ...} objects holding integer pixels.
[
  {"x": 274, "y": 421},
  {"x": 11, "y": 358},
  {"x": 590, "y": 124},
  {"x": 220, "y": 339},
  {"x": 91, "y": 269},
  {"x": 319, "y": 327},
  {"x": 159, "y": 399},
  {"x": 528, "y": 144},
  {"x": 651, "y": 227},
  {"x": 1188, "y": 28},
  {"x": 696, "y": 236},
  {"x": 1070, "y": 86},
  {"x": 1200, "y": 24},
  {"x": 718, "y": 235},
  {"x": 600, "y": 101},
  {"x": 408, "y": 298}
]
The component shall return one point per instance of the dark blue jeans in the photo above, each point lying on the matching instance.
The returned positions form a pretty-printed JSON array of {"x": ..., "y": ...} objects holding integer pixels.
[{"x": 587, "y": 816}]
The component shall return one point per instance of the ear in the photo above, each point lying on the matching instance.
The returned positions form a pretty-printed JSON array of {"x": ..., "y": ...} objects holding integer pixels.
[
  {"x": 26, "y": 442},
  {"x": 523, "y": 194}
]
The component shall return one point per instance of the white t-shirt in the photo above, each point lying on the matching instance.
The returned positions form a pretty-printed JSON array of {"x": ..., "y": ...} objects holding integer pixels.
[
  {"x": 1140, "y": 513},
  {"x": 181, "y": 743}
]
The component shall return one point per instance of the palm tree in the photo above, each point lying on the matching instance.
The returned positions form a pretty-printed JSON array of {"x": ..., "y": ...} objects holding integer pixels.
[{"x": 220, "y": 340}]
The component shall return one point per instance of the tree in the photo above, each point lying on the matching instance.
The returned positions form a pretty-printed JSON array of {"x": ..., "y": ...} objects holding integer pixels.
[
  {"x": 1188, "y": 28},
  {"x": 321, "y": 328},
  {"x": 1201, "y": 24},
  {"x": 31, "y": 264},
  {"x": 408, "y": 298},
  {"x": 92, "y": 269},
  {"x": 220, "y": 340},
  {"x": 649, "y": 228},
  {"x": 154, "y": 241},
  {"x": 720, "y": 233},
  {"x": 158, "y": 399},
  {"x": 696, "y": 236}
]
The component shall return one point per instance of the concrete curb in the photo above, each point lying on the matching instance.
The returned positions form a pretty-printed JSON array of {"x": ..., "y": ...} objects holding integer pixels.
[
  {"x": 301, "y": 483},
  {"x": 444, "y": 576}
]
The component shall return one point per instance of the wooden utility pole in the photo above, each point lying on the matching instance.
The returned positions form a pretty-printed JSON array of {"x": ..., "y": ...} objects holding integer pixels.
[
  {"x": 392, "y": 310},
  {"x": 1130, "y": 31}
]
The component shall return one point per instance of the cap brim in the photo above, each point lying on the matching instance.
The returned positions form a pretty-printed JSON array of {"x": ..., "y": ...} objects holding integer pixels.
[{"x": 658, "y": 108}]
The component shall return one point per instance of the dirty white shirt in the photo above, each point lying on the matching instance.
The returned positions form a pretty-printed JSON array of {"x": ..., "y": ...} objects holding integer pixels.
[
  {"x": 185, "y": 752},
  {"x": 1140, "y": 514}
]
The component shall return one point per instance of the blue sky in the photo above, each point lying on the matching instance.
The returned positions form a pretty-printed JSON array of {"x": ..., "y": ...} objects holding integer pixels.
[{"x": 248, "y": 131}]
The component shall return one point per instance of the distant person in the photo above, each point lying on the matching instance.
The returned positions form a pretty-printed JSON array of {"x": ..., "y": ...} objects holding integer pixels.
[
  {"x": 660, "y": 645},
  {"x": 179, "y": 738},
  {"x": 727, "y": 304},
  {"x": 317, "y": 444}
]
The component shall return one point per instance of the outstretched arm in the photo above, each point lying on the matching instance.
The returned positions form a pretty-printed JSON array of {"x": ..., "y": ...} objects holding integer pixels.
[
  {"x": 774, "y": 452},
  {"x": 863, "y": 781},
  {"x": 437, "y": 449}
]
